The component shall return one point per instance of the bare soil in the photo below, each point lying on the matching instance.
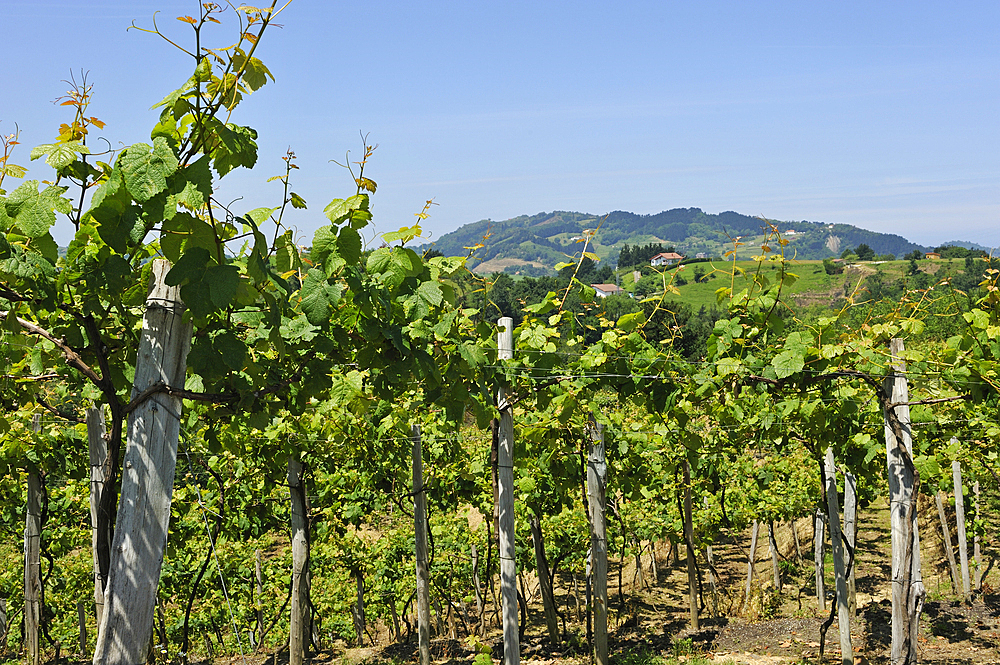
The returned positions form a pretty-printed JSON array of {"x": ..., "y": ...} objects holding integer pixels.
[
  {"x": 651, "y": 616},
  {"x": 773, "y": 627}
]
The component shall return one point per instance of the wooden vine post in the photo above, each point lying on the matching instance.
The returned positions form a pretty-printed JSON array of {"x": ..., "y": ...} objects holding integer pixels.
[
  {"x": 851, "y": 535},
  {"x": 597, "y": 474},
  {"x": 32, "y": 558},
  {"x": 420, "y": 545},
  {"x": 692, "y": 566},
  {"x": 505, "y": 499},
  {"x": 147, "y": 479},
  {"x": 907, "y": 585},
  {"x": 297, "y": 625},
  {"x": 97, "y": 448},
  {"x": 963, "y": 544},
  {"x": 976, "y": 553},
  {"x": 837, "y": 549},
  {"x": 946, "y": 535},
  {"x": 819, "y": 552},
  {"x": 772, "y": 548},
  {"x": 751, "y": 557}
]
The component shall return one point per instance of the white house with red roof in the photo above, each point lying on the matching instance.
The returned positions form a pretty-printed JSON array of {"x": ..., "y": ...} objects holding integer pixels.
[{"x": 665, "y": 259}]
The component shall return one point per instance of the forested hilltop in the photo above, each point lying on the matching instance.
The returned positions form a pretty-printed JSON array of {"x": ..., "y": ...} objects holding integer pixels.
[{"x": 531, "y": 245}]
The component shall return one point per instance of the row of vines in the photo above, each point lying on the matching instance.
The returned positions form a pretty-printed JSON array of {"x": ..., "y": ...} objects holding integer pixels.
[{"x": 307, "y": 364}]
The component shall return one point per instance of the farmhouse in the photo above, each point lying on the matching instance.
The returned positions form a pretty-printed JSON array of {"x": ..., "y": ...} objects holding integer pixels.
[
  {"x": 605, "y": 290},
  {"x": 665, "y": 259},
  {"x": 932, "y": 255}
]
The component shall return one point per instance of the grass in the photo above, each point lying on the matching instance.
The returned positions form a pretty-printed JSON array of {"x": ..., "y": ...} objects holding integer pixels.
[
  {"x": 813, "y": 285},
  {"x": 679, "y": 657}
]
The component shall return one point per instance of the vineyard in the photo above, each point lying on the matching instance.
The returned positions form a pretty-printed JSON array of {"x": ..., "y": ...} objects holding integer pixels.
[{"x": 220, "y": 439}]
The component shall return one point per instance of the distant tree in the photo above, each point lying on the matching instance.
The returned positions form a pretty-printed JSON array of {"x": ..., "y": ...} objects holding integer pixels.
[
  {"x": 848, "y": 253},
  {"x": 699, "y": 275},
  {"x": 914, "y": 268},
  {"x": 915, "y": 255},
  {"x": 886, "y": 257},
  {"x": 832, "y": 268},
  {"x": 865, "y": 253}
]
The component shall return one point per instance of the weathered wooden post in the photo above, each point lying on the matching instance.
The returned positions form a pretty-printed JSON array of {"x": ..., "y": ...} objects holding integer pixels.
[
  {"x": 97, "y": 448},
  {"x": 772, "y": 547},
  {"x": 819, "y": 553},
  {"x": 751, "y": 557},
  {"x": 297, "y": 625},
  {"x": 963, "y": 545},
  {"x": 32, "y": 558},
  {"x": 147, "y": 479},
  {"x": 907, "y": 585},
  {"x": 851, "y": 535},
  {"x": 81, "y": 618},
  {"x": 692, "y": 569},
  {"x": 946, "y": 536},
  {"x": 597, "y": 473},
  {"x": 505, "y": 481},
  {"x": 420, "y": 545},
  {"x": 3, "y": 625},
  {"x": 837, "y": 548},
  {"x": 975, "y": 540},
  {"x": 258, "y": 565}
]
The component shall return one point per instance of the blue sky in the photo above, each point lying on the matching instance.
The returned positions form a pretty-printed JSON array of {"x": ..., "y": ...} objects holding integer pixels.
[{"x": 884, "y": 115}]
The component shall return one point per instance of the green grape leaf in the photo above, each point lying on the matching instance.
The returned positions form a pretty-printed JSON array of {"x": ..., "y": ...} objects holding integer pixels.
[
  {"x": 197, "y": 184},
  {"x": 230, "y": 348},
  {"x": 787, "y": 363},
  {"x": 33, "y": 211},
  {"x": 341, "y": 210},
  {"x": 349, "y": 245},
  {"x": 319, "y": 297},
  {"x": 145, "y": 169},
  {"x": 59, "y": 155},
  {"x": 189, "y": 268},
  {"x": 237, "y": 147}
]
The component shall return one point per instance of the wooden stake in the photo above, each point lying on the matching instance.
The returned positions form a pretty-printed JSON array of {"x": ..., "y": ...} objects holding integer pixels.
[
  {"x": 420, "y": 541},
  {"x": 297, "y": 625},
  {"x": 97, "y": 447},
  {"x": 819, "y": 554},
  {"x": 597, "y": 473},
  {"x": 837, "y": 548},
  {"x": 147, "y": 479},
  {"x": 81, "y": 617},
  {"x": 975, "y": 540},
  {"x": 692, "y": 569},
  {"x": 851, "y": 534},
  {"x": 963, "y": 546},
  {"x": 32, "y": 558},
  {"x": 505, "y": 481},
  {"x": 772, "y": 547},
  {"x": 259, "y": 601},
  {"x": 907, "y": 585},
  {"x": 751, "y": 556},
  {"x": 3, "y": 624},
  {"x": 946, "y": 534}
]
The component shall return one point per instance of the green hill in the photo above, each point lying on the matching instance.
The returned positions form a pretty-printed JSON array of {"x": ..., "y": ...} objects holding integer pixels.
[{"x": 532, "y": 245}]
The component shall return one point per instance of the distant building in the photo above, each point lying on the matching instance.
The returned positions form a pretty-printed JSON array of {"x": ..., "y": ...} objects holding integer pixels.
[
  {"x": 605, "y": 290},
  {"x": 665, "y": 259},
  {"x": 791, "y": 232},
  {"x": 932, "y": 255},
  {"x": 701, "y": 255}
]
